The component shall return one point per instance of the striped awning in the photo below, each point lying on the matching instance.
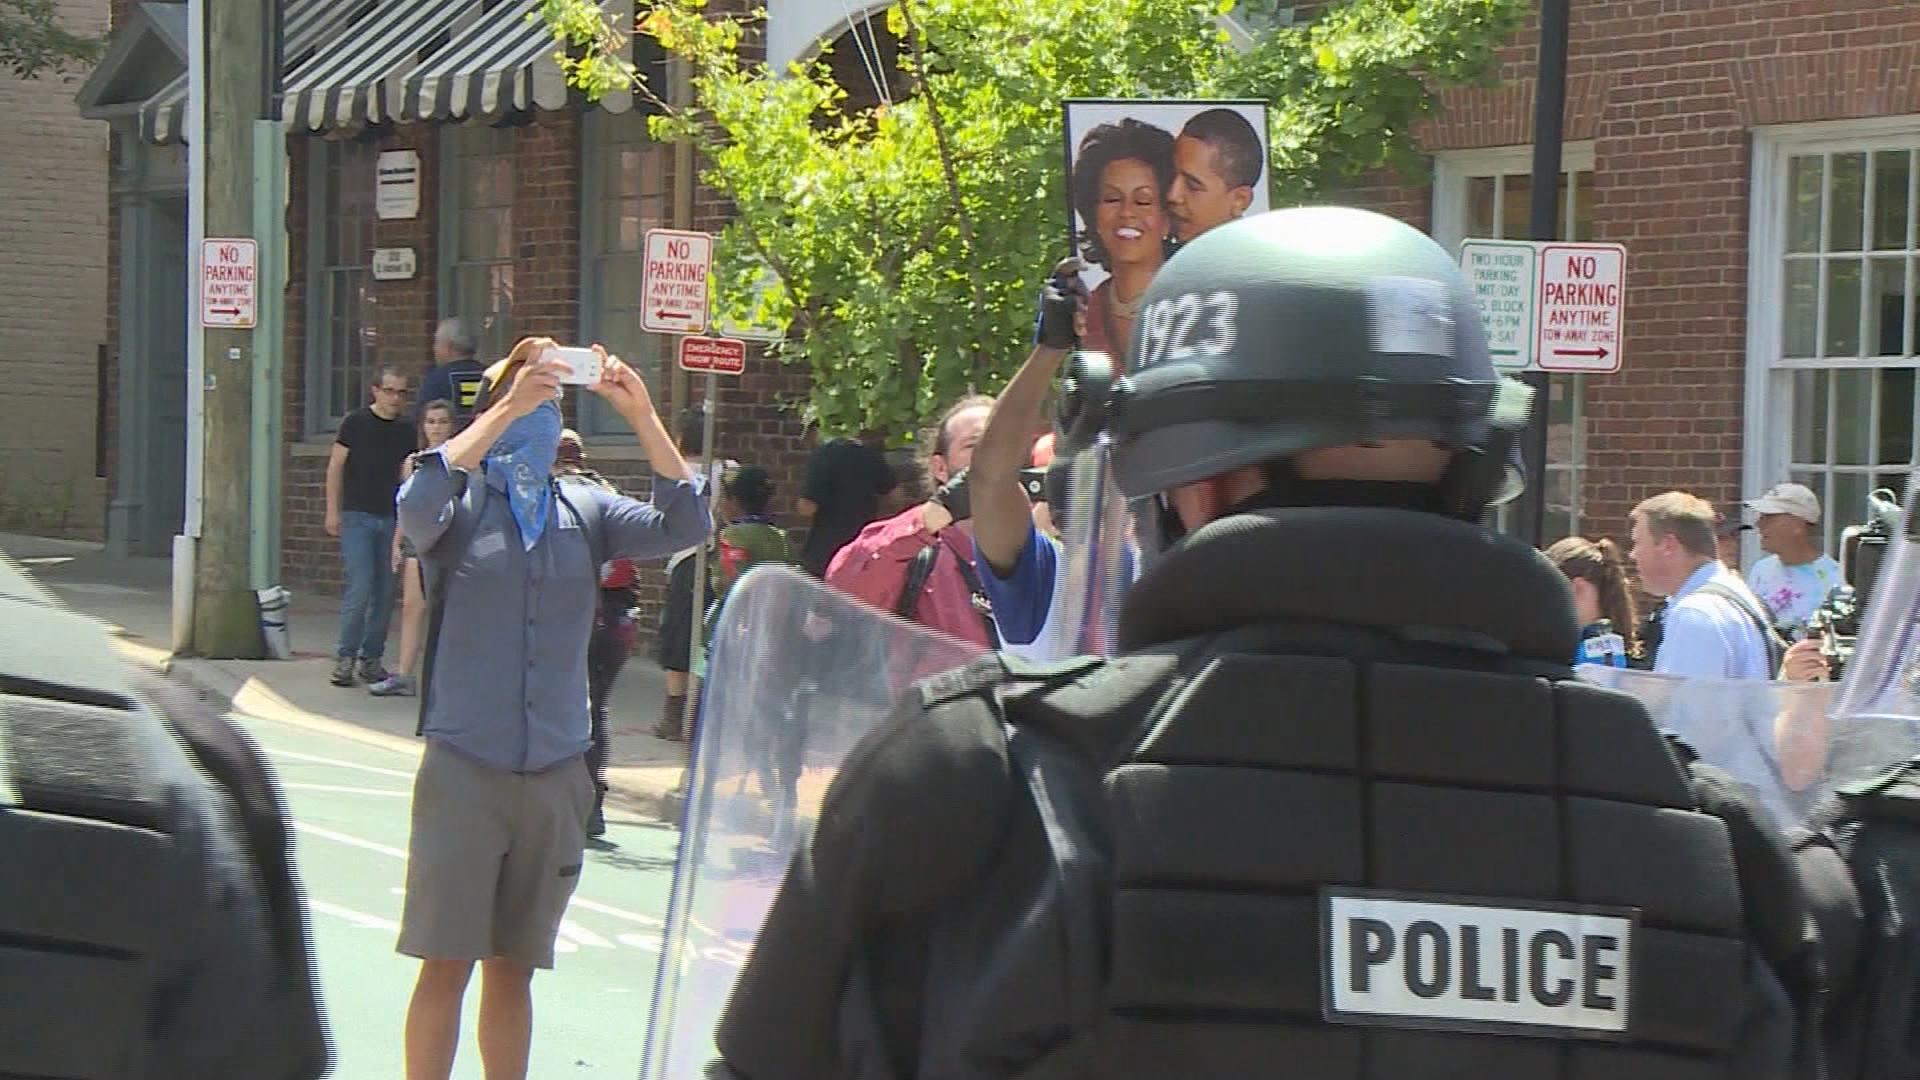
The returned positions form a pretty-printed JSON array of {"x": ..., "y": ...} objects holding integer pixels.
[
  {"x": 436, "y": 60},
  {"x": 500, "y": 64},
  {"x": 309, "y": 24},
  {"x": 374, "y": 61}
]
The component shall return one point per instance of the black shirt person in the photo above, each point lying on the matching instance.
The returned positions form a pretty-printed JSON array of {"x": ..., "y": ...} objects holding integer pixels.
[
  {"x": 363, "y": 475},
  {"x": 846, "y": 479}
]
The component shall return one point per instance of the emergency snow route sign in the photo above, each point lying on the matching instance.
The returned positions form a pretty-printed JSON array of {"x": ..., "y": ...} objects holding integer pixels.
[
  {"x": 227, "y": 283},
  {"x": 1578, "y": 312},
  {"x": 718, "y": 356},
  {"x": 674, "y": 282},
  {"x": 1502, "y": 274}
]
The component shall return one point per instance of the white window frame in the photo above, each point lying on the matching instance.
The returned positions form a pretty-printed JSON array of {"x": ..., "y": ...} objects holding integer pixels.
[
  {"x": 1453, "y": 171},
  {"x": 1767, "y": 453}
]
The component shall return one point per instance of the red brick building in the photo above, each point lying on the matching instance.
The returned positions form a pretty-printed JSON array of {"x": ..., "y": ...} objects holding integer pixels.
[
  {"x": 1756, "y": 157},
  {"x": 1757, "y": 160}
]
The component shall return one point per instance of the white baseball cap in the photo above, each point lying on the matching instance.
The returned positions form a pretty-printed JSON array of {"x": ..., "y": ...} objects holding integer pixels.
[{"x": 1796, "y": 499}]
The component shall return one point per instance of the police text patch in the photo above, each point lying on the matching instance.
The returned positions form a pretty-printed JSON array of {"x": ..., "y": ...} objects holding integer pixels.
[{"x": 1462, "y": 964}]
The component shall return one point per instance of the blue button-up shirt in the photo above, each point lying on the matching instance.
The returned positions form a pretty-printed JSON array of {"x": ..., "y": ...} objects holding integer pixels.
[{"x": 509, "y": 679}]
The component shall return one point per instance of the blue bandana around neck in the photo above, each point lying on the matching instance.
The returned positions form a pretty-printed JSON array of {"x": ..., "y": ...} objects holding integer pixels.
[{"x": 524, "y": 455}]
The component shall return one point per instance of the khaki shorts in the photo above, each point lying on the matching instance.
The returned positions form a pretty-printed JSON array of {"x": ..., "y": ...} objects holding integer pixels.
[{"x": 493, "y": 858}]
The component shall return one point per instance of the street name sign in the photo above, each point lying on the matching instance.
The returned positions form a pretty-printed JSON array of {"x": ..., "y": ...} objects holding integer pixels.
[
  {"x": 673, "y": 281},
  {"x": 716, "y": 356},
  {"x": 228, "y": 296},
  {"x": 1549, "y": 306}
]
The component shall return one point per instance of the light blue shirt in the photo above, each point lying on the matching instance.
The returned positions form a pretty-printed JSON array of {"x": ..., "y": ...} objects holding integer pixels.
[
  {"x": 509, "y": 683},
  {"x": 1708, "y": 636}
]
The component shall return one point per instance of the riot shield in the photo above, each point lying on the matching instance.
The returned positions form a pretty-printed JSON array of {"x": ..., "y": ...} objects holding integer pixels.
[
  {"x": 797, "y": 674},
  {"x": 1781, "y": 740},
  {"x": 1098, "y": 557},
  {"x": 1881, "y": 683}
]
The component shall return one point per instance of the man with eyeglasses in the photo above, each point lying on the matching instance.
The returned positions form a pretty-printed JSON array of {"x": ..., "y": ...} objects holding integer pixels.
[{"x": 363, "y": 474}]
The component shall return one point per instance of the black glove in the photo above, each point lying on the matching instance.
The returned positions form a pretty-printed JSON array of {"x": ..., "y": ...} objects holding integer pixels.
[
  {"x": 1062, "y": 297},
  {"x": 954, "y": 498}
]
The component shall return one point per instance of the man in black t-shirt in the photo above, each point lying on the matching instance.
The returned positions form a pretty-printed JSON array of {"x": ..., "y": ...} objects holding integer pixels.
[
  {"x": 845, "y": 482},
  {"x": 363, "y": 475}
]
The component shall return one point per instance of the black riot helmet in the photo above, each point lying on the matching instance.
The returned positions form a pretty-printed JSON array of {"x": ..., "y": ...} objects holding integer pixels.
[{"x": 1300, "y": 329}]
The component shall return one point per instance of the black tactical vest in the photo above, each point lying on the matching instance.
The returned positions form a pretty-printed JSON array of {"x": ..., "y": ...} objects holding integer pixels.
[
  {"x": 1326, "y": 852},
  {"x": 1403, "y": 871}
]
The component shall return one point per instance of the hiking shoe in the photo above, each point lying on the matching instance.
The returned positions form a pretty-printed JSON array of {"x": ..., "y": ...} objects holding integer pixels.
[
  {"x": 393, "y": 686},
  {"x": 343, "y": 671},
  {"x": 372, "y": 672}
]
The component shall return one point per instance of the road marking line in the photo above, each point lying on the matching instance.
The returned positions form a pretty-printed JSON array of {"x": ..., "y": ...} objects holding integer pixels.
[
  {"x": 357, "y": 918},
  {"x": 607, "y": 909},
  {"x": 650, "y": 942},
  {"x": 316, "y": 759},
  {"x": 573, "y": 930},
  {"x": 339, "y": 789},
  {"x": 580, "y": 901},
  {"x": 350, "y": 841}
]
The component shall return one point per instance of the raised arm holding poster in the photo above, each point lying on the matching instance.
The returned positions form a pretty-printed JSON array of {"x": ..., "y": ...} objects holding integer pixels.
[{"x": 1144, "y": 177}]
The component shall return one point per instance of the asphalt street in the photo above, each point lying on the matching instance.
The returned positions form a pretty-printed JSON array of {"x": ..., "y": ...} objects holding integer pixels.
[{"x": 350, "y": 803}]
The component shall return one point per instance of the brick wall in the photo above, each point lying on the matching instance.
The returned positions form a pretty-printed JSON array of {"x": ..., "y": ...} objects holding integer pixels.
[
  {"x": 53, "y": 274},
  {"x": 1669, "y": 90}
]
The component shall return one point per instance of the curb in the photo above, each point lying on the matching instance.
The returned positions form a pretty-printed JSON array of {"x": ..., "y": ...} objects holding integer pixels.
[{"x": 227, "y": 692}]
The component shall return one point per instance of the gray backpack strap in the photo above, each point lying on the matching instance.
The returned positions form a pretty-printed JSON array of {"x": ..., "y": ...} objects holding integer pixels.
[
  {"x": 434, "y": 569},
  {"x": 1776, "y": 649}
]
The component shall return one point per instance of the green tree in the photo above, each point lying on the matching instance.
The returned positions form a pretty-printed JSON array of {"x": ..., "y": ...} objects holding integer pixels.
[
  {"x": 907, "y": 242},
  {"x": 33, "y": 43}
]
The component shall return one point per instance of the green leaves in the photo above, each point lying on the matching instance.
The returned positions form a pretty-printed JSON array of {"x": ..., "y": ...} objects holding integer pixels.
[
  {"x": 33, "y": 43},
  {"x": 906, "y": 260}
]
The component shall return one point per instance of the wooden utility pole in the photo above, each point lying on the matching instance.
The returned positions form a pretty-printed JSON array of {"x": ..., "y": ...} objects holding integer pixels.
[{"x": 226, "y": 620}]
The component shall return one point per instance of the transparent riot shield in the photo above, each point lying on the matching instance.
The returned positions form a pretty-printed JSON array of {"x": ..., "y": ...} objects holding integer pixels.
[
  {"x": 1881, "y": 683},
  {"x": 797, "y": 674},
  {"x": 1099, "y": 557},
  {"x": 1781, "y": 740}
]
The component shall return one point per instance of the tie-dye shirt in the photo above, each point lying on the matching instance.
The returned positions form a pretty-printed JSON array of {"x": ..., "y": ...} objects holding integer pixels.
[{"x": 1793, "y": 593}]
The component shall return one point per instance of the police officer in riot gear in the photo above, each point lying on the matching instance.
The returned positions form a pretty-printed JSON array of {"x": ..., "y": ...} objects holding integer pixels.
[
  {"x": 152, "y": 926},
  {"x": 1339, "y": 808}
]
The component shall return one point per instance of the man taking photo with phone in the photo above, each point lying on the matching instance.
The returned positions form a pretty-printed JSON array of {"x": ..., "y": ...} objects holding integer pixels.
[{"x": 502, "y": 798}]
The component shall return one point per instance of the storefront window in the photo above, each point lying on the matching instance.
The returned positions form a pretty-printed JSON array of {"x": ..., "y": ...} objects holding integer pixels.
[
  {"x": 342, "y": 339},
  {"x": 476, "y": 233},
  {"x": 624, "y": 194}
]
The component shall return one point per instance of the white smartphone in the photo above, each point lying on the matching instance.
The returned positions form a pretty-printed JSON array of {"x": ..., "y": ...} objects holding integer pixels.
[{"x": 583, "y": 364}]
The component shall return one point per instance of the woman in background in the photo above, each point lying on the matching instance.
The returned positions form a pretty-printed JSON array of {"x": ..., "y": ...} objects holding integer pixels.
[
  {"x": 436, "y": 427},
  {"x": 1120, "y": 180},
  {"x": 1602, "y": 600}
]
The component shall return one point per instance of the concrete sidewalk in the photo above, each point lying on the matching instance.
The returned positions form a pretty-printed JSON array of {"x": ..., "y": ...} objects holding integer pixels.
[{"x": 133, "y": 597}]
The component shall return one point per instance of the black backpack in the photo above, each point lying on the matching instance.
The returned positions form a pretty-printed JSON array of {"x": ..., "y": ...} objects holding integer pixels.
[{"x": 1860, "y": 859}]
